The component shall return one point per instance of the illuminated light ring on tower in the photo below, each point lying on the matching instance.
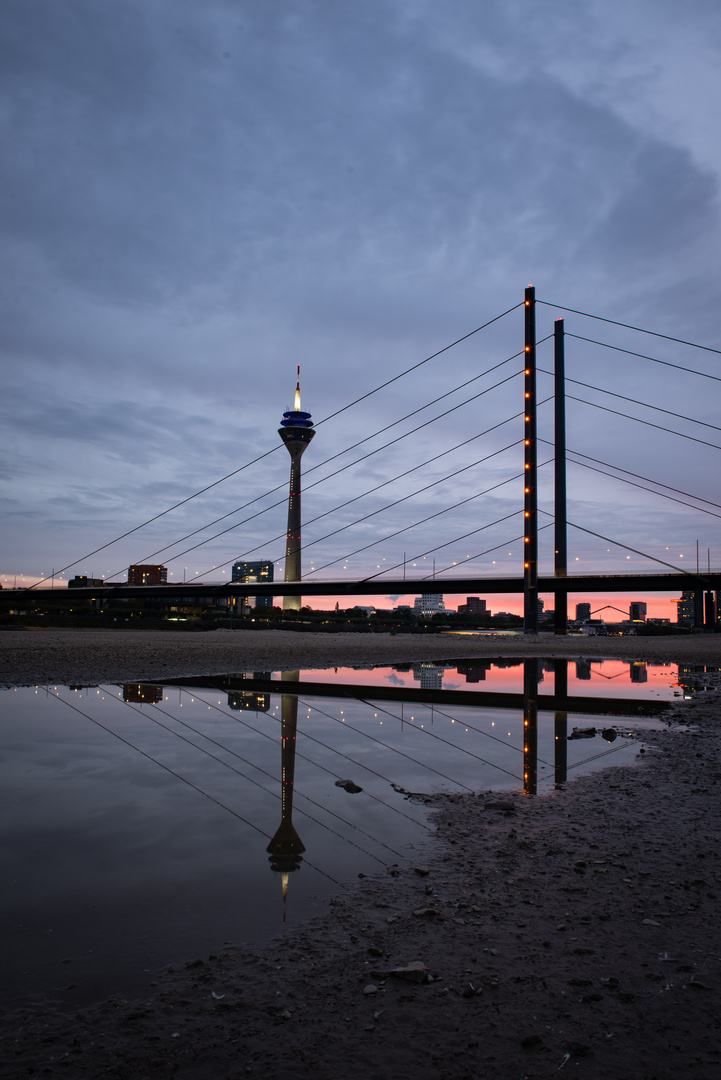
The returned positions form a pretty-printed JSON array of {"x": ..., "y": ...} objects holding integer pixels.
[{"x": 296, "y": 430}]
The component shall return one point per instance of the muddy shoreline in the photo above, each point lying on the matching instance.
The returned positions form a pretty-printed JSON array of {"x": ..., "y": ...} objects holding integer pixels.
[{"x": 574, "y": 932}]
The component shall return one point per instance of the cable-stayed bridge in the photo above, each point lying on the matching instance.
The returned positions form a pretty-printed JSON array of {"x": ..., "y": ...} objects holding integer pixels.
[{"x": 474, "y": 482}]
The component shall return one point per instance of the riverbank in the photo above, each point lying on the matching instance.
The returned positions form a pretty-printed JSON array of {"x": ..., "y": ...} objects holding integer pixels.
[
  {"x": 73, "y": 657},
  {"x": 574, "y": 932}
]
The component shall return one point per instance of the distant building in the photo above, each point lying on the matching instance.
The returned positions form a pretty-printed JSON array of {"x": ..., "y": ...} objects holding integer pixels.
[
  {"x": 82, "y": 582},
  {"x": 637, "y": 611},
  {"x": 685, "y": 608},
  {"x": 247, "y": 700},
  {"x": 475, "y": 671},
  {"x": 142, "y": 693},
  {"x": 583, "y": 669},
  {"x": 146, "y": 574},
  {"x": 429, "y": 604},
  {"x": 248, "y": 572},
  {"x": 638, "y": 672},
  {"x": 473, "y": 606},
  {"x": 430, "y": 676},
  {"x": 583, "y": 612}
]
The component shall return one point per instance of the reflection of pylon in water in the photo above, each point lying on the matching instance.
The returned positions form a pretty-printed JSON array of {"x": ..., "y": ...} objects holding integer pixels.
[{"x": 286, "y": 848}]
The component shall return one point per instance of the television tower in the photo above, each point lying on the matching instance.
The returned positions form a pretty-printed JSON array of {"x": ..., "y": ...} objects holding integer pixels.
[
  {"x": 296, "y": 431},
  {"x": 286, "y": 848}
]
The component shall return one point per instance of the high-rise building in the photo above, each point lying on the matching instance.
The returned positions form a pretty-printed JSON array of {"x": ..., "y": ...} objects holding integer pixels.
[
  {"x": 429, "y": 604},
  {"x": 473, "y": 606},
  {"x": 583, "y": 612},
  {"x": 80, "y": 581},
  {"x": 685, "y": 608},
  {"x": 141, "y": 574},
  {"x": 248, "y": 572},
  {"x": 637, "y": 611},
  {"x": 296, "y": 431}
]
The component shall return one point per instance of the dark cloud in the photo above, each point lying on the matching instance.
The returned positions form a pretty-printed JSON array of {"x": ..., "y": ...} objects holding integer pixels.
[{"x": 196, "y": 200}]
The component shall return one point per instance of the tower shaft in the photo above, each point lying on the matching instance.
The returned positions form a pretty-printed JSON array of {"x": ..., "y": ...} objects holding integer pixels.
[
  {"x": 293, "y": 546},
  {"x": 296, "y": 431}
]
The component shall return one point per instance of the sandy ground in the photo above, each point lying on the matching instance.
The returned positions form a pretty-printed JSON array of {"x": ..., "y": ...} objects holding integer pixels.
[
  {"x": 90, "y": 656},
  {"x": 574, "y": 934}
]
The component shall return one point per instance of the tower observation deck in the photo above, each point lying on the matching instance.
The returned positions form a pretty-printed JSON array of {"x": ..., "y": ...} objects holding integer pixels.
[{"x": 296, "y": 430}]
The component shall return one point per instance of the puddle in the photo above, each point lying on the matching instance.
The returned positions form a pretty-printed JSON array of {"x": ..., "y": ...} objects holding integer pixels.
[{"x": 137, "y": 819}]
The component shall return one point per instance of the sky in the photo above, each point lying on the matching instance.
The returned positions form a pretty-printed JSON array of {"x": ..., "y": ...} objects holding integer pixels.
[{"x": 197, "y": 198}]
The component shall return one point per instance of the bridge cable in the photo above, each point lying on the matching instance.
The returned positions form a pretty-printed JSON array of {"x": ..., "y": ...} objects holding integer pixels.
[
  {"x": 447, "y": 742},
  {"x": 629, "y": 352},
  {"x": 333, "y": 457},
  {"x": 480, "y": 554},
  {"x": 281, "y": 536},
  {"x": 644, "y": 554},
  {"x": 380, "y": 742},
  {"x": 634, "y": 401},
  {"x": 637, "y": 476},
  {"x": 317, "y": 764},
  {"x": 177, "y": 775},
  {"x": 422, "y": 521},
  {"x": 648, "y": 423},
  {"x": 421, "y": 363},
  {"x": 338, "y": 412},
  {"x": 641, "y": 487},
  {"x": 399, "y": 438},
  {"x": 627, "y": 326},
  {"x": 479, "y": 731},
  {"x": 419, "y": 522},
  {"x": 268, "y": 791}
]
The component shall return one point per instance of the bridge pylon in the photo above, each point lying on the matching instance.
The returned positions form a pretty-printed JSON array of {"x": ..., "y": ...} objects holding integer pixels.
[{"x": 530, "y": 471}]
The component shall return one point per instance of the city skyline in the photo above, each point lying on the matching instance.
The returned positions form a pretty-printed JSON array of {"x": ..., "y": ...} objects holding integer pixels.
[{"x": 203, "y": 200}]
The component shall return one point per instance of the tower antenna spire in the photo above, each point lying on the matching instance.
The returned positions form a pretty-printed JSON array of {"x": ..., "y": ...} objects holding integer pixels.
[{"x": 296, "y": 404}]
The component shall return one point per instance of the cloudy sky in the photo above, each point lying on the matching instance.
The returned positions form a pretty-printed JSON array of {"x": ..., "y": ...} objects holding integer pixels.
[{"x": 198, "y": 197}]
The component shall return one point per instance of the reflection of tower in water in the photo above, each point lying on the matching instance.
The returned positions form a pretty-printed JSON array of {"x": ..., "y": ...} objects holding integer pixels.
[{"x": 286, "y": 848}]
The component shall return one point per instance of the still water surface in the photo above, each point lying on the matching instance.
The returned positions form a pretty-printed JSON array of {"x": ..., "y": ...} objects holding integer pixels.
[{"x": 136, "y": 819}]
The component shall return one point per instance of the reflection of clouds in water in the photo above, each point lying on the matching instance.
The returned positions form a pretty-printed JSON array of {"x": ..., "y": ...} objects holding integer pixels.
[{"x": 394, "y": 679}]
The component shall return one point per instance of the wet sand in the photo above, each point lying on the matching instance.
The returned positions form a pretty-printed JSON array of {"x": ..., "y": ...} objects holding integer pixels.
[
  {"x": 90, "y": 656},
  {"x": 574, "y": 932}
]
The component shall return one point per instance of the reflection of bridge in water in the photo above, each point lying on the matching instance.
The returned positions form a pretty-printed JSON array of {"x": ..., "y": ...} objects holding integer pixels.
[
  {"x": 248, "y": 692},
  {"x": 286, "y": 848}
]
